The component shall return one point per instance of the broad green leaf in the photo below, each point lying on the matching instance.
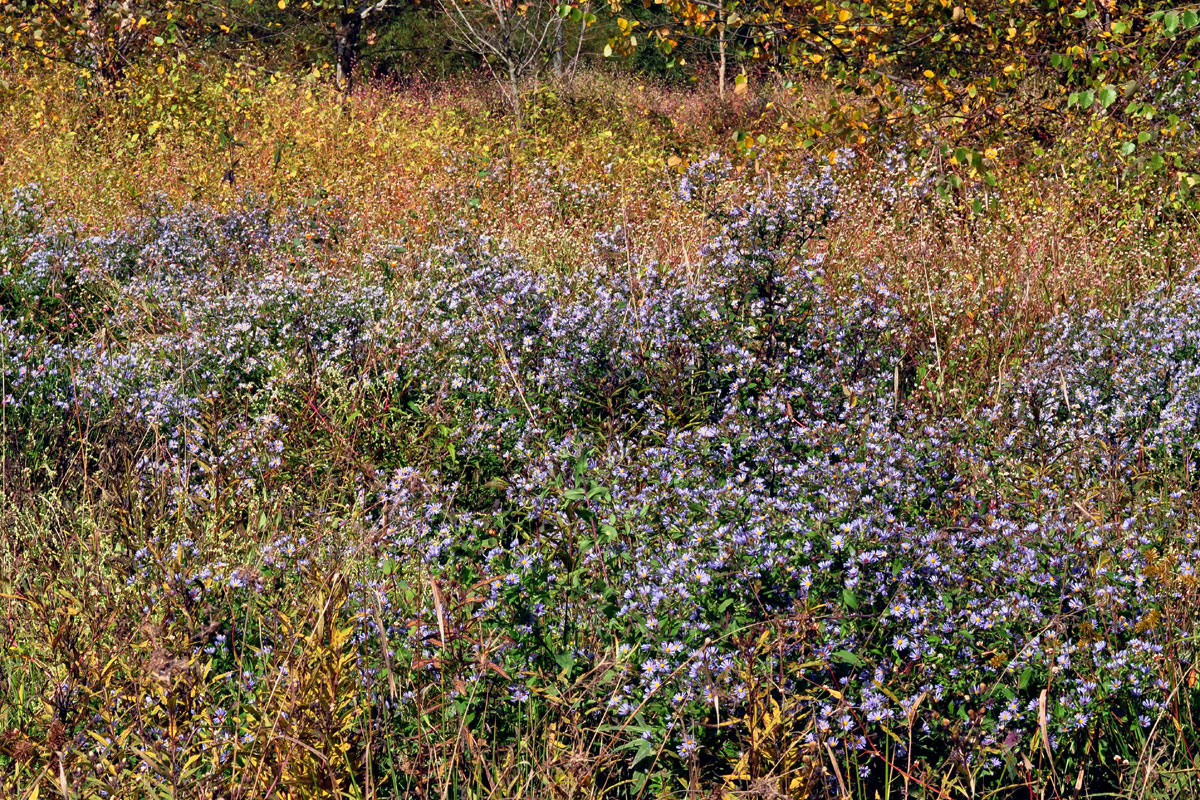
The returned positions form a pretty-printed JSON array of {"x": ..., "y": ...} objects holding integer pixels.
[{"x": 846, "y": 657}]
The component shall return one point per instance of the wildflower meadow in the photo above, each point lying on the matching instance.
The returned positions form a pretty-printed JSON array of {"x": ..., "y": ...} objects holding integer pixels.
[{"x": 607, "y": 437}]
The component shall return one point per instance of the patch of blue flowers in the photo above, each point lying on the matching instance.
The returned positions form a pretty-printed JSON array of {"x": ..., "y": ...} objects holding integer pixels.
[{"x": 689, "y": 491}]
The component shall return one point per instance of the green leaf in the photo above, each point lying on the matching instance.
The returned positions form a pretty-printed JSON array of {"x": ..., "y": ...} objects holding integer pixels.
[
  {"x": 642, "y": 748},
  {"x": 639, "y": 781},
  {"x": 1127, "y": 147},
  {"x": 846, "y": 657},
  {"x": 849, "y": 599},
  {"x": 1108, "y": 96},
  {"x": 1190, "y": 18},
  {"x": 1171, "y": 21},
  {"x": 1086, "y": 99}
]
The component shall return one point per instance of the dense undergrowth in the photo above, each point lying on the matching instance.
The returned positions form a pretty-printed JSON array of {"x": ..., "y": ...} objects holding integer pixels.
[{"x": 581, "y": 476}]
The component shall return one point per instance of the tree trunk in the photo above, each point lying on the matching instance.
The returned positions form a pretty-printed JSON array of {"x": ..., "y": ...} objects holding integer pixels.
[
  {"x": 346, "y": 42},
  {"x": 579, "y": 42},
  {"x": 721, "y": 50},
  {"x": 558, "y": 48},
  {"x": 108, "y": 68},
  {"x": 514, "y": 84}
]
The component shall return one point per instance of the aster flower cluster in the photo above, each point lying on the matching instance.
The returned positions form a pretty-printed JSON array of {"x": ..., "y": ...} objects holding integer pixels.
[{"x": 703, "y": 490}]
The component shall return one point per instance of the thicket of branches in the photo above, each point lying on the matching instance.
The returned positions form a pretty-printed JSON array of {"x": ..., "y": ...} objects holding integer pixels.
[{"x": 977, "y": 68}]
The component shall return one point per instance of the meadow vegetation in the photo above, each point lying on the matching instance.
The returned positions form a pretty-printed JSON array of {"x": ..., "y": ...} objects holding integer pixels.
[{"x": 645, "y": 441}]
